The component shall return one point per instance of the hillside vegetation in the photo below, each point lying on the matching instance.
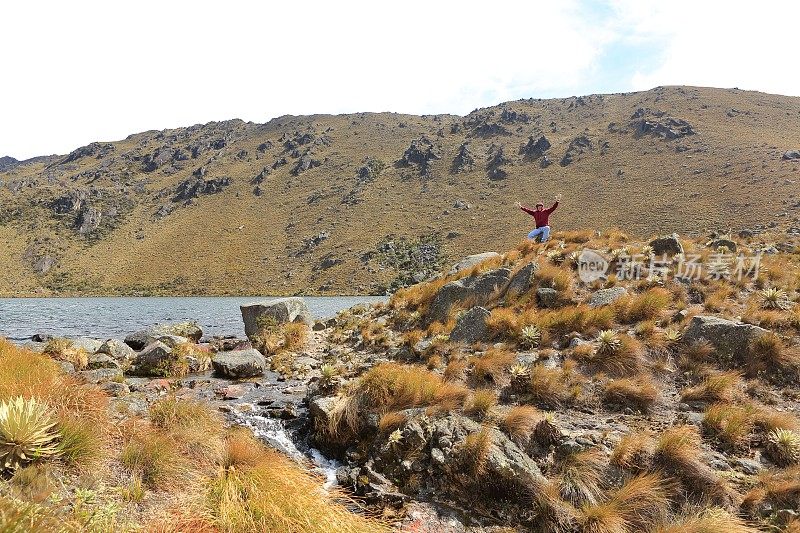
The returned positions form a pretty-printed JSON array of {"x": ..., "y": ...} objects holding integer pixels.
[
  {"x": 535, "y": 401},
  {"x": 364, "y": 202}
]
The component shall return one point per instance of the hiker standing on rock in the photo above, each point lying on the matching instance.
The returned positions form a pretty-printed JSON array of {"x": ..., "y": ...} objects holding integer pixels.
[{"x": 542, "y": 218}]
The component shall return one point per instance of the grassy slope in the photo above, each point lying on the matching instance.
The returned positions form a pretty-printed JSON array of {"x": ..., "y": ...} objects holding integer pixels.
[{"x": 235, "y": 242}]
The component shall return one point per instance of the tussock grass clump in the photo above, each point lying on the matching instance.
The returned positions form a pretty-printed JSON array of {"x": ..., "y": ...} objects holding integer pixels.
[
  {"x": 171, "y": 412},
  {"x": 619, "y": 355},
  {"x": 581, "y": 477},
  {"x": 716, "y": 387},
  {"x": 677, "y": 453},
  {"x": 393, "y": 387},
  {"x": 640, "y": 504},
  {"x": 554, "y": 387},
  {"x": 391, "y": 421},
  {"x": 481, "y": 403},
  {"x": 768, "y": 357},
  {"x": 643, "y": 306},
  {"x": 633, "y": 452},
  {"x": 639, "y": 392},
  {"x": 519, "y": 421},
  {"x": 491, "y": 366},
  {"x": 554, "y": 277},
  {"x": 80, "y": 442},
  {"x": 473, "y": 451},
  {"x": 709, "y": 521},
  {"x": 155, "y": 457},
  {"x": 730, "y": 424},
  {"x": 580, "y": 318},
  {"x": 780, "y": 488}
]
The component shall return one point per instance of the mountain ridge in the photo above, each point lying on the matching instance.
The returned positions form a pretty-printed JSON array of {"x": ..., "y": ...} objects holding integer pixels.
[{"x": 364, "y": 202}]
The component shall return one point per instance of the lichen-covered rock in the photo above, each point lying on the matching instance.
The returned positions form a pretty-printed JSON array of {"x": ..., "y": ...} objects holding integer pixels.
[
  {"x": 468, "y": 292},
  {"x": 154, "y": 360},
  {"x": 117, "y": 350},
  {"x": 471, "y": 326},
  {"x": 522, "y": 280},
  {"x": 730, "y": 339},
  {"x": 667, "y": 245},
  {"x": 279, "y": 311},
  {"x": 607, "y": 296},
  {"x": 472, "y": 260},
  {"x": 239, "y": 364},
  {"x": 140, "y": 339},
  {"x": 546, "y": 297}
]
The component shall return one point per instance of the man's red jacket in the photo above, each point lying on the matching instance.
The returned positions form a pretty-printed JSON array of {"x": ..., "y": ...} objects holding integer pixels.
[{"x": 542, "y": 217}]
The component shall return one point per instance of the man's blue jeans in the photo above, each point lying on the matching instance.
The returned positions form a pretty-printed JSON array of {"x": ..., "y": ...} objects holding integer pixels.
[{"x": 544, "y": 231}]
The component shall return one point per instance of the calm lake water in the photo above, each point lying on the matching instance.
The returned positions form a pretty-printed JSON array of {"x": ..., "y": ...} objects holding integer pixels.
[{"x": 117, "y": 317}]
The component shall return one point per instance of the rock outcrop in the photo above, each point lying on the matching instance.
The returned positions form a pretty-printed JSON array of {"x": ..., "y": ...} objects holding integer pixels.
[
  {"x": 278, "y": 311},
  {"x": 239, "y": 364}
]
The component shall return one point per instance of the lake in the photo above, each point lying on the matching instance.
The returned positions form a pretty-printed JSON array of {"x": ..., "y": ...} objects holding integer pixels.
[{"x": 116, "y": 317}]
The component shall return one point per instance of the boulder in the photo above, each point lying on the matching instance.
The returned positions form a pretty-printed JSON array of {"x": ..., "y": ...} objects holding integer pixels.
[
  {"x": 472, "y": 260},
  {"x": 471, "y": 326},
  {"x": 607, "y": 296},
  {"x": 117, "y": 349},
  {"x": 100, "y": 375},
  {"x": 667, "y": 245},
  {"x": 730, "y": 339},
  {"x": 791, "y": 155},
  {"x": 468, "y": 292},
  {"x": 90, "y": 345},
  {"x": 154, "y": 360},
  {"x": 522, "y": 280},
  {"x": 281, "y": 310},
  {"x": 546, "y": 297},
  {"x": 722, "y": 243},
  {"x": 140, "y": 339},
  {"x": 239, "y": 364},
  {"x": 101, "y": 360}
]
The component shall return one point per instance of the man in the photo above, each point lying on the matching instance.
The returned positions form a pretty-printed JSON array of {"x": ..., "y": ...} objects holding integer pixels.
[{"x": 542, "y": 218}]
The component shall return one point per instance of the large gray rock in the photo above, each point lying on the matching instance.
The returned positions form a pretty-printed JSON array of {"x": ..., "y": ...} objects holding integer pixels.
[
  {"x": 546, "y": 297},
  {"x": 607, "y": 296},
  {"x": 155, "y": 360},
  {"x": 468, "y": 292},
  {"x": 790, "y": 155},
  {"x": 101, "y": 360},
  {"x": 90, "y": 345},
  {"x": 239, "y": 364},
  {"x": 667, "y": 245},
  {"x": 522, "y": 281},
  {"x": 118, "y": 350},
  {"x": 730, "y": 339},
  {"x": 471, "y": 326},
  {"x": 472, "y": 260},
  {"x": 142, "y": 338},
  {"x": 280, "y": 310}
]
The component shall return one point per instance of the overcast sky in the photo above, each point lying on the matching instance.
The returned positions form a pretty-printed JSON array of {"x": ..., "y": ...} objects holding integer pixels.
[{"x": 79, "y": 71}]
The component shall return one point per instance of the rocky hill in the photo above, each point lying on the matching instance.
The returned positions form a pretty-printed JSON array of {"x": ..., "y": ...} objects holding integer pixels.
[{"x": 371, "y": 201}]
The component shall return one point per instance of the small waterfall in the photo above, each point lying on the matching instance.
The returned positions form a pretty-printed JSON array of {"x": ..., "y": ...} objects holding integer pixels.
[{"x": 274, "y": 433}]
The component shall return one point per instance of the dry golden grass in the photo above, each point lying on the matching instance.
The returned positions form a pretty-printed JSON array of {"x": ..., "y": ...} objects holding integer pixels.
[
  {"x": 780, "y": 488},
  {"x": 708, "y": 521},
  {"x": 391, "y": 421},
  {"x": 641, "y": 503},
  {"x": 582, "y": 477},
  {"x": 623, "y": 359},
  {"x": 639, "y": 392},
  {"x": 643, "y": 306},
  {"x": 555, "y": 277},
  {"x": 769, "y": 357},
  {"x": 633, "y": 452},
  {"x": 519, "y": 421},
  {"x": 716, "y": 387},
  {"x": 730, "y": 424},
  {"x": 394, "y": 387},
  {"x": 474, "y": 450},
  {"x": 580, "y": 318},
  {"x": 481, "y": 403},
  {"x": 491, "y": 366},
  {"x": 554, "y": 387}
]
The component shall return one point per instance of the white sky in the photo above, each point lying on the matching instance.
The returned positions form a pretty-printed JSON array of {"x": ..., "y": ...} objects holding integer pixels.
[{"x": 80, "y": 71}]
